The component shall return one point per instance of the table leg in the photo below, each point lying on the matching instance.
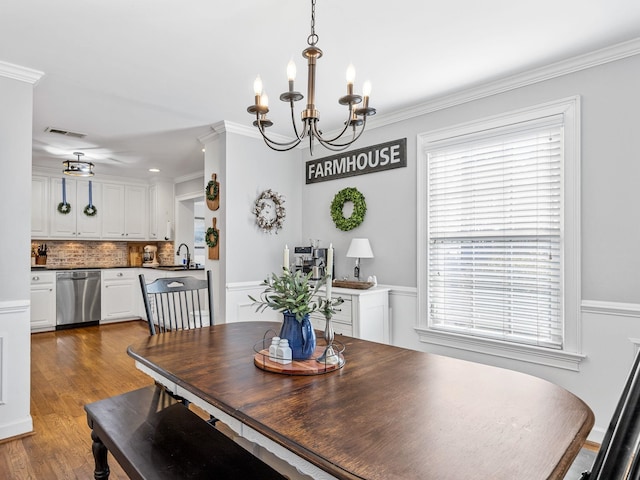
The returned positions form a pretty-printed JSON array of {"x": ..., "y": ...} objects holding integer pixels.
[{"x": 100, "y": 457}]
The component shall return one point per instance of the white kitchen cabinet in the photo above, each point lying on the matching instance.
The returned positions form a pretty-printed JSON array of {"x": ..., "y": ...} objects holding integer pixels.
[
  {"x": 121, "y": 295},
  {"x": 161, "y": 200},
  {"x": 75, "y": 224},
  {"x": 40, "y": 207},
  {"x": 88, "y": 227},
  {"x": 125, "y": 213},
  {"x": 43, "y": 301},
  {"x": 364, "y": 314}
]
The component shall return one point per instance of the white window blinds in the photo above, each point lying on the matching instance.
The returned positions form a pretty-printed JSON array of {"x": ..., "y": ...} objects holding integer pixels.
[{"x": 494, "y": 236}]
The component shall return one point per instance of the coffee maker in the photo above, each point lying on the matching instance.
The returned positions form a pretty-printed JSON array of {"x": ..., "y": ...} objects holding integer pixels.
[{"x": 312, "y": 259}]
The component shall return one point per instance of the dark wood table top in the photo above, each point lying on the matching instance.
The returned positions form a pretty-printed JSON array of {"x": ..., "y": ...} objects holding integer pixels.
[{"x": 389, "y": 413}]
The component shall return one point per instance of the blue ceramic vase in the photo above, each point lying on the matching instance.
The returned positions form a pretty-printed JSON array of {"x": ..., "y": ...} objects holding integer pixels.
[{"x": 301, "y": 336}]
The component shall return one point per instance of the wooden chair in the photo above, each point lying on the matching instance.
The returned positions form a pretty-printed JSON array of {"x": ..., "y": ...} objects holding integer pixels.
[
  {"x": 178, "y": 303},
  {"x": 619, "y": 454}
]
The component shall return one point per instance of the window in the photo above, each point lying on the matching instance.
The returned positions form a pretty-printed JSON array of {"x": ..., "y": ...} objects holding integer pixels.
[{"x": 500, "y": 199}]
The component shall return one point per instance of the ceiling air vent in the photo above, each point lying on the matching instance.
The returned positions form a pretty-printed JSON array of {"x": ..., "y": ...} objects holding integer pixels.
[{"x": 66, "y": 133}]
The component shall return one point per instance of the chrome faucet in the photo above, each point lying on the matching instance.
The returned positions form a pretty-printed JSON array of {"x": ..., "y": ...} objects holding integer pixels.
[{"x": 188, "y": 254}]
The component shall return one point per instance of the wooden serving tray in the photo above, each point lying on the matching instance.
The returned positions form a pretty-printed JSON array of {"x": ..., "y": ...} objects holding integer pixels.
[
  {"x": 352, "y": 284},
  {"x": 296, "y": 367}
]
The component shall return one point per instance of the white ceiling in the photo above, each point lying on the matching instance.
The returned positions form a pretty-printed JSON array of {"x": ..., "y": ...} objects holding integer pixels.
[{"x": 144, "y": 79}]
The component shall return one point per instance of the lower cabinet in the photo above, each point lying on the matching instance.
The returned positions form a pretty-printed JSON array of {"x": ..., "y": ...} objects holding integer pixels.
[
  {"x": 121, "y": 296},
  {"x": 364, "y": 314},
  {"x": 43, "y": 301}
]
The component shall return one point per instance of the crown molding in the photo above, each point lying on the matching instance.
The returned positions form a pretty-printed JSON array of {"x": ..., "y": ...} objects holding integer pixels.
[
  {"x": 252, "y": 132},
  {"x": 188, "y": 177},
  {"x": 23, "y": 74},
  {"x": 530, "y": 77}
]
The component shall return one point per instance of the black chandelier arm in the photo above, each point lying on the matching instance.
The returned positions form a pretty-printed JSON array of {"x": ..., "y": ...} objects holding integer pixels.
[
  {"x": 337, "y": 147},
  {"x": 278, "y": 147},
  {"x": 347, "y": 124},
  {"x": 293, "y": 122},
  {"x": 292, "y": 144}
]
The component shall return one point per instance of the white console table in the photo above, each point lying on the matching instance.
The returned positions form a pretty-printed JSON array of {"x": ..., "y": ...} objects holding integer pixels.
[{"x": 364, "y": 314}]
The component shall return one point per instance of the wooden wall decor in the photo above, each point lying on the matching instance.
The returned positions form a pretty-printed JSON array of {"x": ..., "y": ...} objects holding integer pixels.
[
  {"x": 213, "y": 241},
  {"x": 213, "y": 193}
]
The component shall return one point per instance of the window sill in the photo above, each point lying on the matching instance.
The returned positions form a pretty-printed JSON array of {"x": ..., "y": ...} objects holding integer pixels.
[{"x": 496, "y": 348}]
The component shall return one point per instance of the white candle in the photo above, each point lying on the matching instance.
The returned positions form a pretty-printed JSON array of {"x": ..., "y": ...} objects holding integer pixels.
[
  {"x": 285, "y": 260},
  {"x": 329, "y": 270}
]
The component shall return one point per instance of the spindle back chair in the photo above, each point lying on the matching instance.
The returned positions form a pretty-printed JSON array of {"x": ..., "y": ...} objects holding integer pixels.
[{"x": 178, "y": 303}]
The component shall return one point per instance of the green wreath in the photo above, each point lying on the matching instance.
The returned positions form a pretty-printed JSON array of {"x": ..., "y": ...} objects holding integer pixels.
[
  {"x": 64, "y": 207},
  {"x": 216, "y": 236},
  {"x": 90, "y": 210},
  {"x": 212, "y": 190},
  {"x": 349, "y": 194}
]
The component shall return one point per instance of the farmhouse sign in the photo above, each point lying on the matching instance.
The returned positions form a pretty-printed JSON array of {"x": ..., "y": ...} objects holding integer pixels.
[{"x": 375, "y": 158}]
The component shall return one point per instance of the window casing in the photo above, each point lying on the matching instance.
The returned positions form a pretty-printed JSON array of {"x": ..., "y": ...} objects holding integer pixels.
[{"x": 498, "y": 244}]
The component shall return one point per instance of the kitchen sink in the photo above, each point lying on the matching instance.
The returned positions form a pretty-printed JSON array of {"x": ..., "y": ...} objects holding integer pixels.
[{"x": 175, "y": 268}]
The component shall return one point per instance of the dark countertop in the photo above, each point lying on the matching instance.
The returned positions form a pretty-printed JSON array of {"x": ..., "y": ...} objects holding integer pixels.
[{"x": 170, "y": 268}]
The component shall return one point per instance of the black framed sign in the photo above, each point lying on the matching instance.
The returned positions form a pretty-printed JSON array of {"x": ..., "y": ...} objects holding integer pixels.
[{"x": 375, "y": 158}]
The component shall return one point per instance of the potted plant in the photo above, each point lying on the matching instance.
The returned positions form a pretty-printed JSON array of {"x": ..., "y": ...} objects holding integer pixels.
[{"x": 293, "y": 295}]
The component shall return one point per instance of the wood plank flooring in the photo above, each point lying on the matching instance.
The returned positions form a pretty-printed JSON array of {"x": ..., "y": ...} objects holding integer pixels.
[{"x": 70, "y": 368}]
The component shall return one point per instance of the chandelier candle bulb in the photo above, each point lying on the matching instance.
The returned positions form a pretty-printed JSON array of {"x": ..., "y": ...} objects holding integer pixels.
[
  {"x": 257, "y": 89},
  {"x": 366, "y": 92},
  {"x": 351, "y": 77},
  {"x": 291, "y": 74}
]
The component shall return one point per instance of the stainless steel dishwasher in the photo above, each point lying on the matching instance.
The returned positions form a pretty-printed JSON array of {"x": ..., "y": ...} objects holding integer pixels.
[{"x": 78, "y": 298}]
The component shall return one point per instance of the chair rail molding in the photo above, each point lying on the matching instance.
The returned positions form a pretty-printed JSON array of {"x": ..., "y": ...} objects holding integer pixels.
[{"x": 619, "y": 309}]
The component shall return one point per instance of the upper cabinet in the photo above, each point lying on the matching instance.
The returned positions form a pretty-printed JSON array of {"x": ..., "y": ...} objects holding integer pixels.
[
  {"x": 40, "y": 206},
  {"x": 160, "y": 211},
  {"x": 120, "y": 211},
  {"x": 79, "y": 221},
  {"x": 126, "y": 216}
]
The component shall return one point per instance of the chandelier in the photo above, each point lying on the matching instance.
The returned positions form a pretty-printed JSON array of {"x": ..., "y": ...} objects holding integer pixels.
[
  {"x": 78, "y": 168},
  {"x": 356, "y": 119}
]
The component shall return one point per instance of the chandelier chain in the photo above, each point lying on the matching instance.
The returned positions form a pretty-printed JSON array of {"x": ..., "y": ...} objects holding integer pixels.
[{"x": 313, "y": 38}]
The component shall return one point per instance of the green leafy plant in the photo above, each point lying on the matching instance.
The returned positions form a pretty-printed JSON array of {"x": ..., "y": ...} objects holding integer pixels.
[
  {"x": 349, "y": 194},
  {"x": 289, "y": 292},
  {"x": 328, "y": 306}
]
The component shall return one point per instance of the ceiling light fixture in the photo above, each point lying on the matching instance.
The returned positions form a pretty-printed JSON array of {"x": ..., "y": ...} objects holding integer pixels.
[
  {"x": 78, "y": 168},
  {"x": 154, "y": 170},
  {"x": 310, "y": 116}
]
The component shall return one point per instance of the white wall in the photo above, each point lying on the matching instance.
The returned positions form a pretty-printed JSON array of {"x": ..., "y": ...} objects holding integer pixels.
[
  {"x": 245, "y": 167},
  {"x": 610, "y": 222},
  {"x": 16, "y": 98}
]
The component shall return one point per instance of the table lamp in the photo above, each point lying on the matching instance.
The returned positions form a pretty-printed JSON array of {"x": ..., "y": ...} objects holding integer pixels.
[{"x": 359, "y": 248}]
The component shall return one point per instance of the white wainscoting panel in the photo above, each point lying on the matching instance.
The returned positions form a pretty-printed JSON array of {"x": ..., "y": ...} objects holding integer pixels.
[{"x": 15, "y": 368}]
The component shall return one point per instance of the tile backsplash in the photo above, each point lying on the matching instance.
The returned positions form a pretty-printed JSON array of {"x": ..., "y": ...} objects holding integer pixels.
[{"x": 101, "y": 254}]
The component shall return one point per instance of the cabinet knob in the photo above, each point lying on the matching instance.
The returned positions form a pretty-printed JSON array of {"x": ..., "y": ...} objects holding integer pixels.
[
  {"x": 119, "y": 274},
  {"x": 35, "y": 279}
]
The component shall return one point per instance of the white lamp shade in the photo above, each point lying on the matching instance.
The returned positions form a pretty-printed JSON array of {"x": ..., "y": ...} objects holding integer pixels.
[{"x": 360, "y": 248}]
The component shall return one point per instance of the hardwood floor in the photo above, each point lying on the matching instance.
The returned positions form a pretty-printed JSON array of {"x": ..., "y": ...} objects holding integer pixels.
[{"x": 70, "y": 368}]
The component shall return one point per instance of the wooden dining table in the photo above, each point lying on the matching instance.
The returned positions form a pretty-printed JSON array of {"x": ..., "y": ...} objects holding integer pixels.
[{"x": 388, "y": 413}]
